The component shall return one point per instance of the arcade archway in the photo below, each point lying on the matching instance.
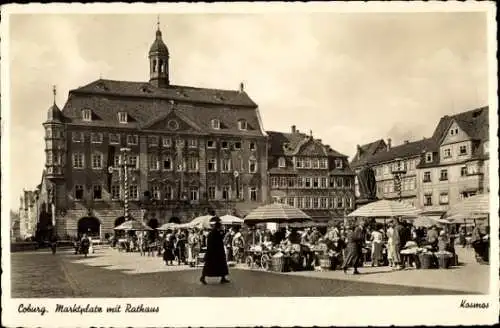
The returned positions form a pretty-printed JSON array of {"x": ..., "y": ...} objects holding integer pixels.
[
  {"x": 89, "y": 225},
  {"x": 119, "y": 220},
  {"x": 174, "y": 219},
  {"x": 153, "y": 223}
]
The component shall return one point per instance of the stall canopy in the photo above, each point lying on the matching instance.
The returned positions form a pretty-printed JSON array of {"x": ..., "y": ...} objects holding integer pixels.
[
  {"x": 279, "y": 213},
  {"x": 204, "y": 221},
  {"x": 385, "y": 208},
  {"x": 231, "y": 220},
  {"x": 463, "y": 218},
  {"x": 170, "y": 226},
  {"x": 426, "y": 221},
  {"x": 133, "y": 225},
  {"x": 474, "y": 205}
]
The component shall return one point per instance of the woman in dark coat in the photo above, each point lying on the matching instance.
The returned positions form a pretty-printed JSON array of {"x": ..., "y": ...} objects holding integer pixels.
[
  {"x": 354, "y": 248},
  {"x": 168, "y": 249},
  {"x": 215, "y": 257}
]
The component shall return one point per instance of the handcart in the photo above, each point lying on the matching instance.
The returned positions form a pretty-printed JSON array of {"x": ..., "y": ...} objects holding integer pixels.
[{"x": 258, "y": 256}]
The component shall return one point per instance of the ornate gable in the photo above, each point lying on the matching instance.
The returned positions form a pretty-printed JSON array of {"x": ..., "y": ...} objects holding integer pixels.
[
  {"x": 312, "y": 148},
  {"x": 173, "y": 121},
  {"x": 454, "y": 134}
]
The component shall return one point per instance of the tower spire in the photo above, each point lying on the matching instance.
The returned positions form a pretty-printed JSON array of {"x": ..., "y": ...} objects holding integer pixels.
[
  {"x": 158, "y": 22},
  {"x": 54, "y": 92}
]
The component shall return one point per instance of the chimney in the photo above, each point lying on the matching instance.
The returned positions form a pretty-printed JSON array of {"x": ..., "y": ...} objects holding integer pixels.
[
  {"x": 294, "y": 129},
  {"x": 311, "y": 133},
  {"x": 407, "y": 142},
  {"x": 242, "y": 87},
  {"x": 389, "y": 143}
]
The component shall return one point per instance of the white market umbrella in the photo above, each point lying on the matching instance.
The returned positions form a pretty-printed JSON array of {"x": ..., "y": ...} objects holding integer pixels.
[
  {"x": 462, "y": 218},
  {"x": 199, "y": 222},
  {"x": 133, "y": 225},
  {"x": 427, "y": 221},
  {"x": 385, "y": 208},
  {"x": 230, "y": 220},
  {"x": 277, "y": 212},
  {"x": 169, "y": 226},
  {"x": 474, "y": 205}
]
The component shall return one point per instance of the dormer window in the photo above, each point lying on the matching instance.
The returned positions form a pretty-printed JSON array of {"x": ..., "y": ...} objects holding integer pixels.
[
  {"x": 215, "y": 124},
  {"x": 242, "y": 125},
  {"x": 87, "y": 115},
  {"x": 122, "y": 117},
  {"x": 281, "y": 162},
  {"x": 428, "y": 158},
  {"x": 338, "y": 163}
]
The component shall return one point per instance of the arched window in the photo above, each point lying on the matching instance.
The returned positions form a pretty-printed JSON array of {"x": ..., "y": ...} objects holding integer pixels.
[
  {"x": 160, "y": 66},
  {"x": 154, "y": 65},
  {"x": 281, "y": 162}
]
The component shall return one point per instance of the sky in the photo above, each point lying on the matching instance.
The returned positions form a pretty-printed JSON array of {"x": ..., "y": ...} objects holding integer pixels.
[{"x": 350, "y": 78}]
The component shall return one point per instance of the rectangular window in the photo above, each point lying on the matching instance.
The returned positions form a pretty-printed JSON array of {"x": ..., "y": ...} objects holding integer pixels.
[
  {"x": 133, "y": 161},
  {"x": 323, "y": 163},
  {"x": 225, "y": 165},
  {"x": 169, "y": 192},
  {"x": 253, "y": 146},
  {"x": 78, "y": 161},
  {"x": 298, "y": 163},
  {"x": 427, "y": 176},
  {"x": 307, "y": 202},
  {"x": 348, "y": 202},
  {"x": 331, "y": 202},
  {"x": 315, "y": 163},
  {"x": 166, "y": 142},
  {"x": 97, "y": 192},
  {"x": 115, "y": 192},
  {"x": 226, "y": 193},
  {"x": 193, "y": 194},
  {"x": 167, "y": 163},
  {"x": 428, "y": 158},
  {"x": 155, "y": 192},
  {"x": 300, "y": 203},
  {"x": 308, "y": 182},
  {"x": 97, "y": 161},
  {"x": 323, "y": 202},
  {"x": 237, "y": 145},
  {"x": 281, "y": 162},
  {"x": 252, "y": 166},
  {"x": 324, "y": 183},
  {"x": 153, "y": 141},
  {"x": 224, "y": 145},
  {"x": 290, "y": 201},
  {"x": 153, "y": 162},
  {"x": 463, "y": 171},
  {"x": 447, "y": 153},
  {"x": 338, "y": 163},
  {"x": 348, "y": 182},
  {"x": 443, "y": 198},
  {"x": 78, "y": 192},
  {"x": 340, "y": 202},
  {"x": 307, "y": 163},
  {"x": 133, "y": 192},
  {"x": 291, "y": 182},
  {"x": 242, "y": 125},
  {"x": 300, "y": 182},
  {"x": 283, "y": 183},
  {"x": 132, "y": 140},
  {"x": 114, "y": 138},
  {"x": 340, "y": 182},
  {"x": 332, "y": 182},
  {"x": 274, "y": 182},
  {"x": 428, "y": 200},
  {"x": 315, "y": 182},
  {"x": 192, "y": 164},
  {"x": 463, "y": 150},
  {"x": 193, "y": 143},
  {"x": 87, "y": 115},
  {"x": 122, "y": 117},
  {"x": 211, "y": 192},
  {"x": 77, "y": 136},
  {"x": 116, "y": 162},
  {"x": 211, "y": 144},
  {"x": 96, "y": 137},
  {"x": 443, "y": 175},
  {"x": 315, "y": 202},
  {"x": 212, "y": 165}
]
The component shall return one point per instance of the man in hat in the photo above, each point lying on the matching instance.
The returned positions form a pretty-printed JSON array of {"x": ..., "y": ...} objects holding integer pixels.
[{"x": 215, "y": 257}]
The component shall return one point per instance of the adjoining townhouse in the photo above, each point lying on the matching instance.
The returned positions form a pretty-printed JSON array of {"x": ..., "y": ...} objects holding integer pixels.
[
  {"x": 395, "y": 168},
  {"x": 456, "y": 165},
  {"x": 307, "y": 174},
  {"x": 436, "y": 172},
  {"x": 28, "y": 213}
]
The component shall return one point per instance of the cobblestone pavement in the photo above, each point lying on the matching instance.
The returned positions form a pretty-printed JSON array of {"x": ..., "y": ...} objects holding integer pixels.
[{"x": 108, "y": 273}]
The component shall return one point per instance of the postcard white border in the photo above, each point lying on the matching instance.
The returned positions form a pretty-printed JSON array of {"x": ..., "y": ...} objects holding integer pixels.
[{"x": 346, "y": 311}]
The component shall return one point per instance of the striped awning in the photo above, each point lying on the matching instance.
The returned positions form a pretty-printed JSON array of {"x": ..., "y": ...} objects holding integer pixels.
[
  {"x": 386, "y": 208},
  {"x": 276, "y": 213},
  {"x": 478, "y": 204}
]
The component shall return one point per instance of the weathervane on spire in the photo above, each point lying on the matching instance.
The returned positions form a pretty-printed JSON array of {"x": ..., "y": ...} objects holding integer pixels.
[
  {"x": 158, "y": 22},
  {"x": 54, "y": 92}
]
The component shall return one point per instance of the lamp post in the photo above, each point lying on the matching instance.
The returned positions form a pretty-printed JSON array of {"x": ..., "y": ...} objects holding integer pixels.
[{"x": 124, "y": 164}]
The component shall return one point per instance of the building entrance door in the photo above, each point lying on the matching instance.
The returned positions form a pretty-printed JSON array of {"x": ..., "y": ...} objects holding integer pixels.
[{"x": 89, "y": 225}]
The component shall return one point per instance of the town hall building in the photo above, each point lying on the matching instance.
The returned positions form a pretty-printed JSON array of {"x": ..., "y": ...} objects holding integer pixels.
[{"x": 153, "y": 151}]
